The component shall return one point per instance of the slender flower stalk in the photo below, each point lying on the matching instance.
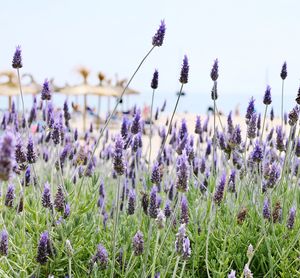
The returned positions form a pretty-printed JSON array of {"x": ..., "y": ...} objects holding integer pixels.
[
  {"x": 183, "y": 80},
  {"x": 267, "y": 101},
  {"x": 283, "y": 76},
  {"x": 119, "y": 169},
  {"x": 154, "y": 85},
  {"x": 214, "y": 76},
  {"x": 158, "y": 41}
]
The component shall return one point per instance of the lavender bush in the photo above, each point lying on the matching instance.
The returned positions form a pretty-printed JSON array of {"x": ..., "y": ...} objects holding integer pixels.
[{"x": 219, "y": 200}]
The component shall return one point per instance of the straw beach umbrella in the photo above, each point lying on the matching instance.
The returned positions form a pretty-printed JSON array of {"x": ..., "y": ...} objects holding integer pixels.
[
  {"x": 86, "y": 89},
  {"x": 10, "y": 86}
]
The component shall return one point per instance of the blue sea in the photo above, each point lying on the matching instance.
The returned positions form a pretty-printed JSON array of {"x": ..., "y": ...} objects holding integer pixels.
[{"x": 196, "y": 103}]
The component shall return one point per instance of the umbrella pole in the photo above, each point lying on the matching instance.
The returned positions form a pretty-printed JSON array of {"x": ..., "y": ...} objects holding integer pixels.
[
  {"x": 9, "y": 103},
  {"x": 99, "y": 104},
  {"x": 18, "y": 103},
  {"x": 84, "y": 113},
  {"x": 108, "y": 104}
]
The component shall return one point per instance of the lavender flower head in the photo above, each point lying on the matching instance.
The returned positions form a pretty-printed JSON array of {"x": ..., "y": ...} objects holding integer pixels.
[
  {"x": 293, "y": 116},
  {"x": 17, "y": 59},
  {"x": 214, "y": 74},
  {"x": 267, "y": 97},
  {"x": 59, "y": 201},
  {"x": 250, "y": 110},
  {"x": 266, "y": 209},
  {"x": 184, "y": 71},
  {"x": 7, "y": 156},
  {"x": 186, "y": 248},
  {"x": 182, "y": 173},
  {"x": 257, "y": 153},
  {"x": 156, "y": 176},
  {"x": 136, "y": 123},
  {"x": 251, "y": 127},
  {"x": 43, "y": 248},
  {"x": 154, "y": 82},
  {"x": 291, "y": 219},
  {"x": 4, "y": 243},
  {"x": 131, "y": 202},
  {"x": 160, "y": 219},
  {"x": 46, "y": 92},
  {"x": 138, "y": 243},
  {"x": 218, "y": 196},
  {"x": 232, "y": 274},
  {"x": 31, "y": 155},
  {"x": 283, "y": 73},
  {"x": 10, "y": 195},
  {"x": 184, "y": 217},
  {"x": 153, "y": 203},
  {"x": 198, "y": 127},
  {"x": 158, "y": 38},
  {"x": 46, "y": 197},
  {"x": 118, "y": 162},
  {"x": 101, "y": 256}
]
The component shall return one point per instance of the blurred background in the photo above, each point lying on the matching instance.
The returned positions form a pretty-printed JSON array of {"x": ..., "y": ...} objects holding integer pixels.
[{"x": 251, "y": 39}]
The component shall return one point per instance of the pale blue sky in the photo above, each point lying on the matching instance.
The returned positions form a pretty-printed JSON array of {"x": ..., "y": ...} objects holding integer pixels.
[{"x": 250, "y": 38}]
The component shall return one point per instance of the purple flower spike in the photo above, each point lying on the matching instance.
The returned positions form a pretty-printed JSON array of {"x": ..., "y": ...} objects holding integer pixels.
[
  {"x": 46, "y": 197},
  {"x": 153, "y": 203},
  {"x": 293, "y": 116},
  {"x": 119, "y": 165},
  {"x": 250, "y": 110},
  {"x": 218, "y": 196},
  {"x": 214, "y": 74},
  {"x": 10, "y": 196},
  {"x": 101, "y": 257},
  {"x": 156, "y": 175},
  {"x": 283, "y": 73},
  {"x": 154, "y": 82},
  {"x": 131, "y": 202},
  {"x": 184, "y": 71},
  {"x": 182, "y": 173},
  {"x": 17, "y": 59},
  {"x": 198, "y": 127},
  {"x": 136, "y": 123},
  {"x": 4, "y": 243},
  {"x": 59, "y": 201},
  {"x": 186, "y": 248},
  {"x": 232, "y": 274},
  {"x": 158, "y": 38},
  {"x": 184, "y": 218},
  {"x": 266, "y": 209},
  {"x": 251, "y": 127},
  {"x": 138, "y": 243},
  {"x": 7, "y": 156},
  {"x": 257, "y": 153},
  {"x": 46, "y": 92},
  {"x": 43, "y": 248},
  {"x": 267, "y": 97},
  {"x": 31, "y": 155},
  {"x": 291, "y": 219}
]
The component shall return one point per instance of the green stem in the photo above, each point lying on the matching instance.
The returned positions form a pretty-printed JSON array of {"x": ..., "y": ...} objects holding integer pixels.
[
  {"x": 282, "y": 89},
  {"x": 170, "y": 225},
  {"x": 111, "y": 115},
  {"x": 176, "y": 266},
  {"x": 115, "y": 227},
  {"x": 150, "y": 134},
  {"x": 155, "y": 249},
  {"x": 147, "y": 247},
  {"x": 183, "y": 267},
  {"x": 214, "y": 138},
  {"x": 263, "y": 126},
  {"x": 70, "y": 267}
]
